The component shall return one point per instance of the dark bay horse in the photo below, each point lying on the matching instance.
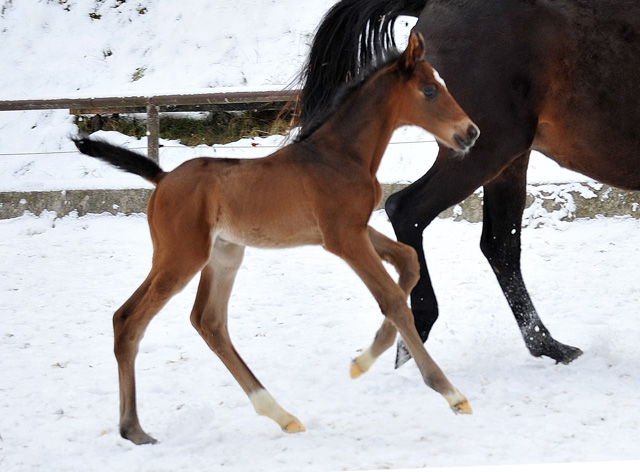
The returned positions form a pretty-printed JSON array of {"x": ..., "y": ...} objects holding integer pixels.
[
  {"x": 319, "y": 190},
  {"x": 561, "y": 77}
]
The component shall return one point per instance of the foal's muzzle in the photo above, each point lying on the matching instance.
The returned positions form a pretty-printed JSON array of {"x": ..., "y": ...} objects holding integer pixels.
[{"x": 468, "y": 139}]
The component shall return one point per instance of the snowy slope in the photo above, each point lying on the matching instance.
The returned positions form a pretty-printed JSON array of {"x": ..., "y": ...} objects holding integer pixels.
[{"x": 60, "y": 49}]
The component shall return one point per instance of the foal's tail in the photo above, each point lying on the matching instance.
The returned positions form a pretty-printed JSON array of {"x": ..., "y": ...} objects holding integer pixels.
[
  {"x": 351, "y": 38},
  {"x": 121, "y": 158}
]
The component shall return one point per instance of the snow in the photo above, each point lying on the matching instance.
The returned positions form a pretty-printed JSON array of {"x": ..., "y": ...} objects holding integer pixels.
[{"x": 297, "y": 316}]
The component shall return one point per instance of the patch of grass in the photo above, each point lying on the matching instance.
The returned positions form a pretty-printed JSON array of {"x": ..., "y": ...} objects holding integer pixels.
[{"x": 211, "y": 128}]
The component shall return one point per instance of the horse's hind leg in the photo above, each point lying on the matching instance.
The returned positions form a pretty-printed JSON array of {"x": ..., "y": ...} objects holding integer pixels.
[
  {"x": 357, "y": 250},
  {"x": 129, "y": 324},
  {"x": 405, "y": 260},
  {"x": 209, "y": 317},
  {"x": 504, "y": 202}
]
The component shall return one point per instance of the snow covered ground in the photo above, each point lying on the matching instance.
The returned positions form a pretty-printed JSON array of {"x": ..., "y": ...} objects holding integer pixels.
[{"x": 297, "y": 316}]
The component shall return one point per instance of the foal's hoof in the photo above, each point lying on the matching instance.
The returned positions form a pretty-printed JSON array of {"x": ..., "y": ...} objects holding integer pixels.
[
  {"x": 355, "y": 371},
  {"x": 462, "y": 408},
  {"x": 362, "y": 364},
  {"x": 458, "y": 402},
  {"x": 294, "y": 426},
  {"x": 137, "y": 436}
]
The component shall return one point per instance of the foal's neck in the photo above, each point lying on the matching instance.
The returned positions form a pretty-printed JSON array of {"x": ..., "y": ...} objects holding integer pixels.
[{"x": 361, "y": 127}]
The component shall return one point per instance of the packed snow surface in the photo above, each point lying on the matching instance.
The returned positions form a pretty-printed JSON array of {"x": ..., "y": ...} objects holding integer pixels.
[{"x": 298, "y": 317}]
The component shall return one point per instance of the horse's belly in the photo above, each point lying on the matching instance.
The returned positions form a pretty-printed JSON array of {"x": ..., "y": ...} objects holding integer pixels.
[{"x": 605, "y": 157}]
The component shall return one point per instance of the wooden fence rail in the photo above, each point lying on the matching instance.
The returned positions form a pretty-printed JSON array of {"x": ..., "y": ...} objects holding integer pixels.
[{"x": 153, "y": 105}]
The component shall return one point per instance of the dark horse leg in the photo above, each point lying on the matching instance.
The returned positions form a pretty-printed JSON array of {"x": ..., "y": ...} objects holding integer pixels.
[
  {"x": 447, "y": 183},
  {"x": 504, "y": 202}
]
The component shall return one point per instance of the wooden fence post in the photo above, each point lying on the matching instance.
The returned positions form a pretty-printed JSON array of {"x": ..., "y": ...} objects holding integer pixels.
[{"x": 153, "y": 133}]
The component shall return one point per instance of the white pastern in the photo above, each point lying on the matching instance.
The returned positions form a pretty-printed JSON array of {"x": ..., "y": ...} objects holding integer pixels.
[
  {"x": 365, "y": 360},
  {"x": 266, "y": 405}
]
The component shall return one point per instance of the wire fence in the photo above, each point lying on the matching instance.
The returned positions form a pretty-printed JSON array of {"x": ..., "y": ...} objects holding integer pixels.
[{"x": 213, "y": 147}]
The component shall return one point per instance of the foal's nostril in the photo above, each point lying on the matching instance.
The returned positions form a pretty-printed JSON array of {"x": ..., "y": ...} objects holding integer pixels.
[{"x": 472, "y": 133}]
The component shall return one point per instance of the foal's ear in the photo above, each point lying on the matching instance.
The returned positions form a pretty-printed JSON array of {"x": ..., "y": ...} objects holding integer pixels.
[{"x": 413, "y": 53}]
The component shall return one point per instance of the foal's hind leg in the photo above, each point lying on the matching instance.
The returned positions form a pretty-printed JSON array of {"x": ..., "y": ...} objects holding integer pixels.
[
  {"x": 209, "y": 317},
  {"x": 129, "y": 324},
  {"x": 357, "y": 250},
  {"x": 405, "y": 260}
]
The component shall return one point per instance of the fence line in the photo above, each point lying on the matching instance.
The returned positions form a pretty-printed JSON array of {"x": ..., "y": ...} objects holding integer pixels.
[
  {"x": 214, "y": 147},
  {"x": 168, "y": 102},
  {"x": 153, "y": 105}
]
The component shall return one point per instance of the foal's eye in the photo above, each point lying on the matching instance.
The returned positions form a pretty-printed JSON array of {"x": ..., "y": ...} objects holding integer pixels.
[{"x": 430, "y": 91}]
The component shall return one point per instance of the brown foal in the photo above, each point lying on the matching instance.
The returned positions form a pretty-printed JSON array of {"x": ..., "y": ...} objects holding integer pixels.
[{"x": 319, "y": 190}]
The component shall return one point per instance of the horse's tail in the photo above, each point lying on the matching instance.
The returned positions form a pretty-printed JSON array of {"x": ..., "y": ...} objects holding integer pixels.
[
  {"x": 121, "y": 158},
  {"x": 350, "y": 38}
]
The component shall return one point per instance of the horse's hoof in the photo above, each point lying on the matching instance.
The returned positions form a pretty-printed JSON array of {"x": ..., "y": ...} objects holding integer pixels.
[
  {"x": 402, "y": 354},
  {"x": 462, "y": 408},
  {"x": 355, "y": 371},
  {"x": 569, "y": 355},
  {"x": 294, "y": 426},
  {"x": 561, "y": 353}
]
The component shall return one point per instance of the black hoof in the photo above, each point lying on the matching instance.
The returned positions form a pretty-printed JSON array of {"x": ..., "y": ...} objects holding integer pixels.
[
  {"x": 561, "y": 353},
  {"x": 402, "y": 354}
]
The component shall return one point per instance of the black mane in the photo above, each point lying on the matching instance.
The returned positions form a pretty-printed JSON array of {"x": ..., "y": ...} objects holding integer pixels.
[{"x": 314, "y": 121}]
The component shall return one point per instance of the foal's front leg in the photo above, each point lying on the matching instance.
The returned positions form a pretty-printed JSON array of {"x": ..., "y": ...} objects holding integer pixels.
[
  {"x": 405, "y": 261},
  {"x": 357, "y": 249}
]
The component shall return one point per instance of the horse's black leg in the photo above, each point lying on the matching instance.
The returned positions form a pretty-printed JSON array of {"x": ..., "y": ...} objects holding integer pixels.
[{"x": 504, "y": 202}]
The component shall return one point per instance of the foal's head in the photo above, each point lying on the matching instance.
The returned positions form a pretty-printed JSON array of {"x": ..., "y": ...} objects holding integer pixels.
[{"x": 426, "y": 102}]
